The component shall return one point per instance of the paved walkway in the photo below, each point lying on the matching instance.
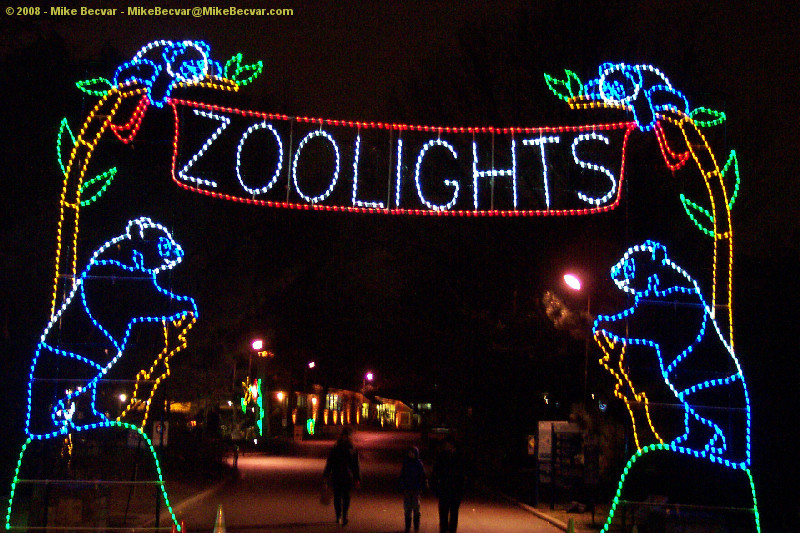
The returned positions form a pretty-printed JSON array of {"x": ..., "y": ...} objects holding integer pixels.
[{"x": 372, "y": 510}]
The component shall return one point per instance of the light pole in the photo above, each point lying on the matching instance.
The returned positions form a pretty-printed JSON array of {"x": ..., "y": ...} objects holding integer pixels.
[
  {"x": 122, "y": 399},
  {"x": 573, "y": 282},
  {"x": 368, "y": 377},
  {"x": 310, "y": 366},
  {"x": 257, "y": 345}
]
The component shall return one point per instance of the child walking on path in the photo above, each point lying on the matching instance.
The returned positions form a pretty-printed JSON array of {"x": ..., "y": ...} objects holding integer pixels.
[{"x": 412, "y": 483}]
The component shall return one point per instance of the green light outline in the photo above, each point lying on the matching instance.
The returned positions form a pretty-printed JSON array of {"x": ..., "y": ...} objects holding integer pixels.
[{"x": 124, "y": 425}]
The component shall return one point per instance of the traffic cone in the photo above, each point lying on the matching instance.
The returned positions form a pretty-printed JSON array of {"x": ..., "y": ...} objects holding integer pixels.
[
  {"x": 571, "y": 526},
  {"x": 219, "y": 523}
]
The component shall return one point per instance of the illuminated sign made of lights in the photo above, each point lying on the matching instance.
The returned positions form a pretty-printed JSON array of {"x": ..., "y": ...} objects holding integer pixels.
[
  {"x": 366, "y": 167},
  {"x": 250, "y": 153}
]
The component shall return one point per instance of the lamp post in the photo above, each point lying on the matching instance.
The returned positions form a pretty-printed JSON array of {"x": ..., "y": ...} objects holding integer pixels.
[
  {"x": 257, "y": 345},
  {"x": 310, "y": 366},
  {"x": 122, "y": 399},
  {"x": 368, "y": 377},
  {"x": 574, "y": 283}
]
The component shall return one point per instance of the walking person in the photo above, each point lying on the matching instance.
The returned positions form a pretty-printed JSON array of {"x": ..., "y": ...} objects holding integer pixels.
[
  {"x": 342, "y": 472},
  {"x": 412, "y": 483},
  {"x": 447, "y": 481}
]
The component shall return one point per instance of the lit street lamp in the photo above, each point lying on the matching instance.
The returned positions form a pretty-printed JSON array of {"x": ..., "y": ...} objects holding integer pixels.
[
  {"x": 257, "y": 345},
  {"x": 368, "y": 378},
  {"x": 310, "y": 366},
  {"x": 573, "y": 282}
]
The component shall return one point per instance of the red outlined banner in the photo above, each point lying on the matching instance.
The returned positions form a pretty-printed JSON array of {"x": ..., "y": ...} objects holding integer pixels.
[{"x": 331, "y": 165}]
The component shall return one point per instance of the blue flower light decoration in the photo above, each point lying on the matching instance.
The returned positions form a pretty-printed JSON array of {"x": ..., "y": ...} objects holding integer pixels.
[{"x": 642, "y": 88}]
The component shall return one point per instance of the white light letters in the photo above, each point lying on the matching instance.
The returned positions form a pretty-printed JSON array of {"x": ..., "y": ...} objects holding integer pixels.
[
  {"x": 285, "y": 162},
  {"x": 278, "y": 166},
  {"x": 306, "y": 139},
  {"x": 541, "y": 141},
  {"x": 225, "y": 122},
  {"x": 356, "y": 202},
  {"x": 592, "y": 166},
  {"x": 450, "y": 183},
  {"x": 512, "y": 172}
]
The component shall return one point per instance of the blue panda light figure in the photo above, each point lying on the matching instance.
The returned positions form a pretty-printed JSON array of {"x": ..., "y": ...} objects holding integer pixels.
[
  {"x": 696, "y": 363},
  {"x": 670, "y": 327},
  {"x": 642, "y": 88},
  {"x": 161, "y": 65},
  {"x": 89, "y": 334}
]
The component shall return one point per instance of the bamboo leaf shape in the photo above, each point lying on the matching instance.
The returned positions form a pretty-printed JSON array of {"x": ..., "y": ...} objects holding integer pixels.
[
  {"x": 701, "y": 217},
  {"x": 239, "y": 73},
  {"x": 63, "y": 144},
  {"x": 705, "y": 117},
  {"x": 95, "y": 86},
  {"x": 567, "y": 88},
  {"x": 97, "y": 185},
  {"x": 732, "y": 163}
]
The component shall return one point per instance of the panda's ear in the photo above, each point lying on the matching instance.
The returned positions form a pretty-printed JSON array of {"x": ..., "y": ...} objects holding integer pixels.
[
  {"x": 137, "y": 227},
  {"x": 659, "y": 253}
]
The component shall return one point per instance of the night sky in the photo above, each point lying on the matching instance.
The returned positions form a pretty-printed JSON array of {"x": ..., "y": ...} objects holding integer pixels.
[{"x": 422, "y": 300}]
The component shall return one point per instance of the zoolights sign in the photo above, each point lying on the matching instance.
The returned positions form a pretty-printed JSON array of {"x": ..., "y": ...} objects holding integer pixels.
[
  {"x": 403, "y": 170},
  {"x": 99, "y": 298}
]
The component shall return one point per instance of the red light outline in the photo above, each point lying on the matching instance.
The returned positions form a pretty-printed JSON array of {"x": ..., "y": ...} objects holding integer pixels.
[{"x": 629, "y": 127}]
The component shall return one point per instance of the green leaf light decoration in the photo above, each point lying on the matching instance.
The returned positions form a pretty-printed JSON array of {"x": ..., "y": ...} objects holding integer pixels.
[
  {"x": 95, "y": 86},
  {"x": 565, "y": 89},
  {"x": 239, "y": 73},
  {"x": 99, "y": 184},
  {"x": 705, "y": 117},
  {"x": 733, "y": 161},
  {"x": 60, "y": 142},
  {"x": 701, "y": 216}
]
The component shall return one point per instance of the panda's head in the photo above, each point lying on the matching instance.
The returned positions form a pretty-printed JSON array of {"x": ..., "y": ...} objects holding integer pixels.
[
  {"x": 160, "y": 66},
  {"x": 641, "y": 268},
  {"x": 151, "y": 246}
]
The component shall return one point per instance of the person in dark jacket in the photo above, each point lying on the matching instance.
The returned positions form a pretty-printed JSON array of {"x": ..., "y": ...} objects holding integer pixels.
[
  {"x": 342, "y": 472},
  {"x": 447, "y": 481},
  {"x": 412, "y": 483}
]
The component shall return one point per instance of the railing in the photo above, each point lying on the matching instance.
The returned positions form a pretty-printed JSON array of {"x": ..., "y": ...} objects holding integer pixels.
[
  {"x": 660, "y": 515},
  {"x": 87, "y": 505}
]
